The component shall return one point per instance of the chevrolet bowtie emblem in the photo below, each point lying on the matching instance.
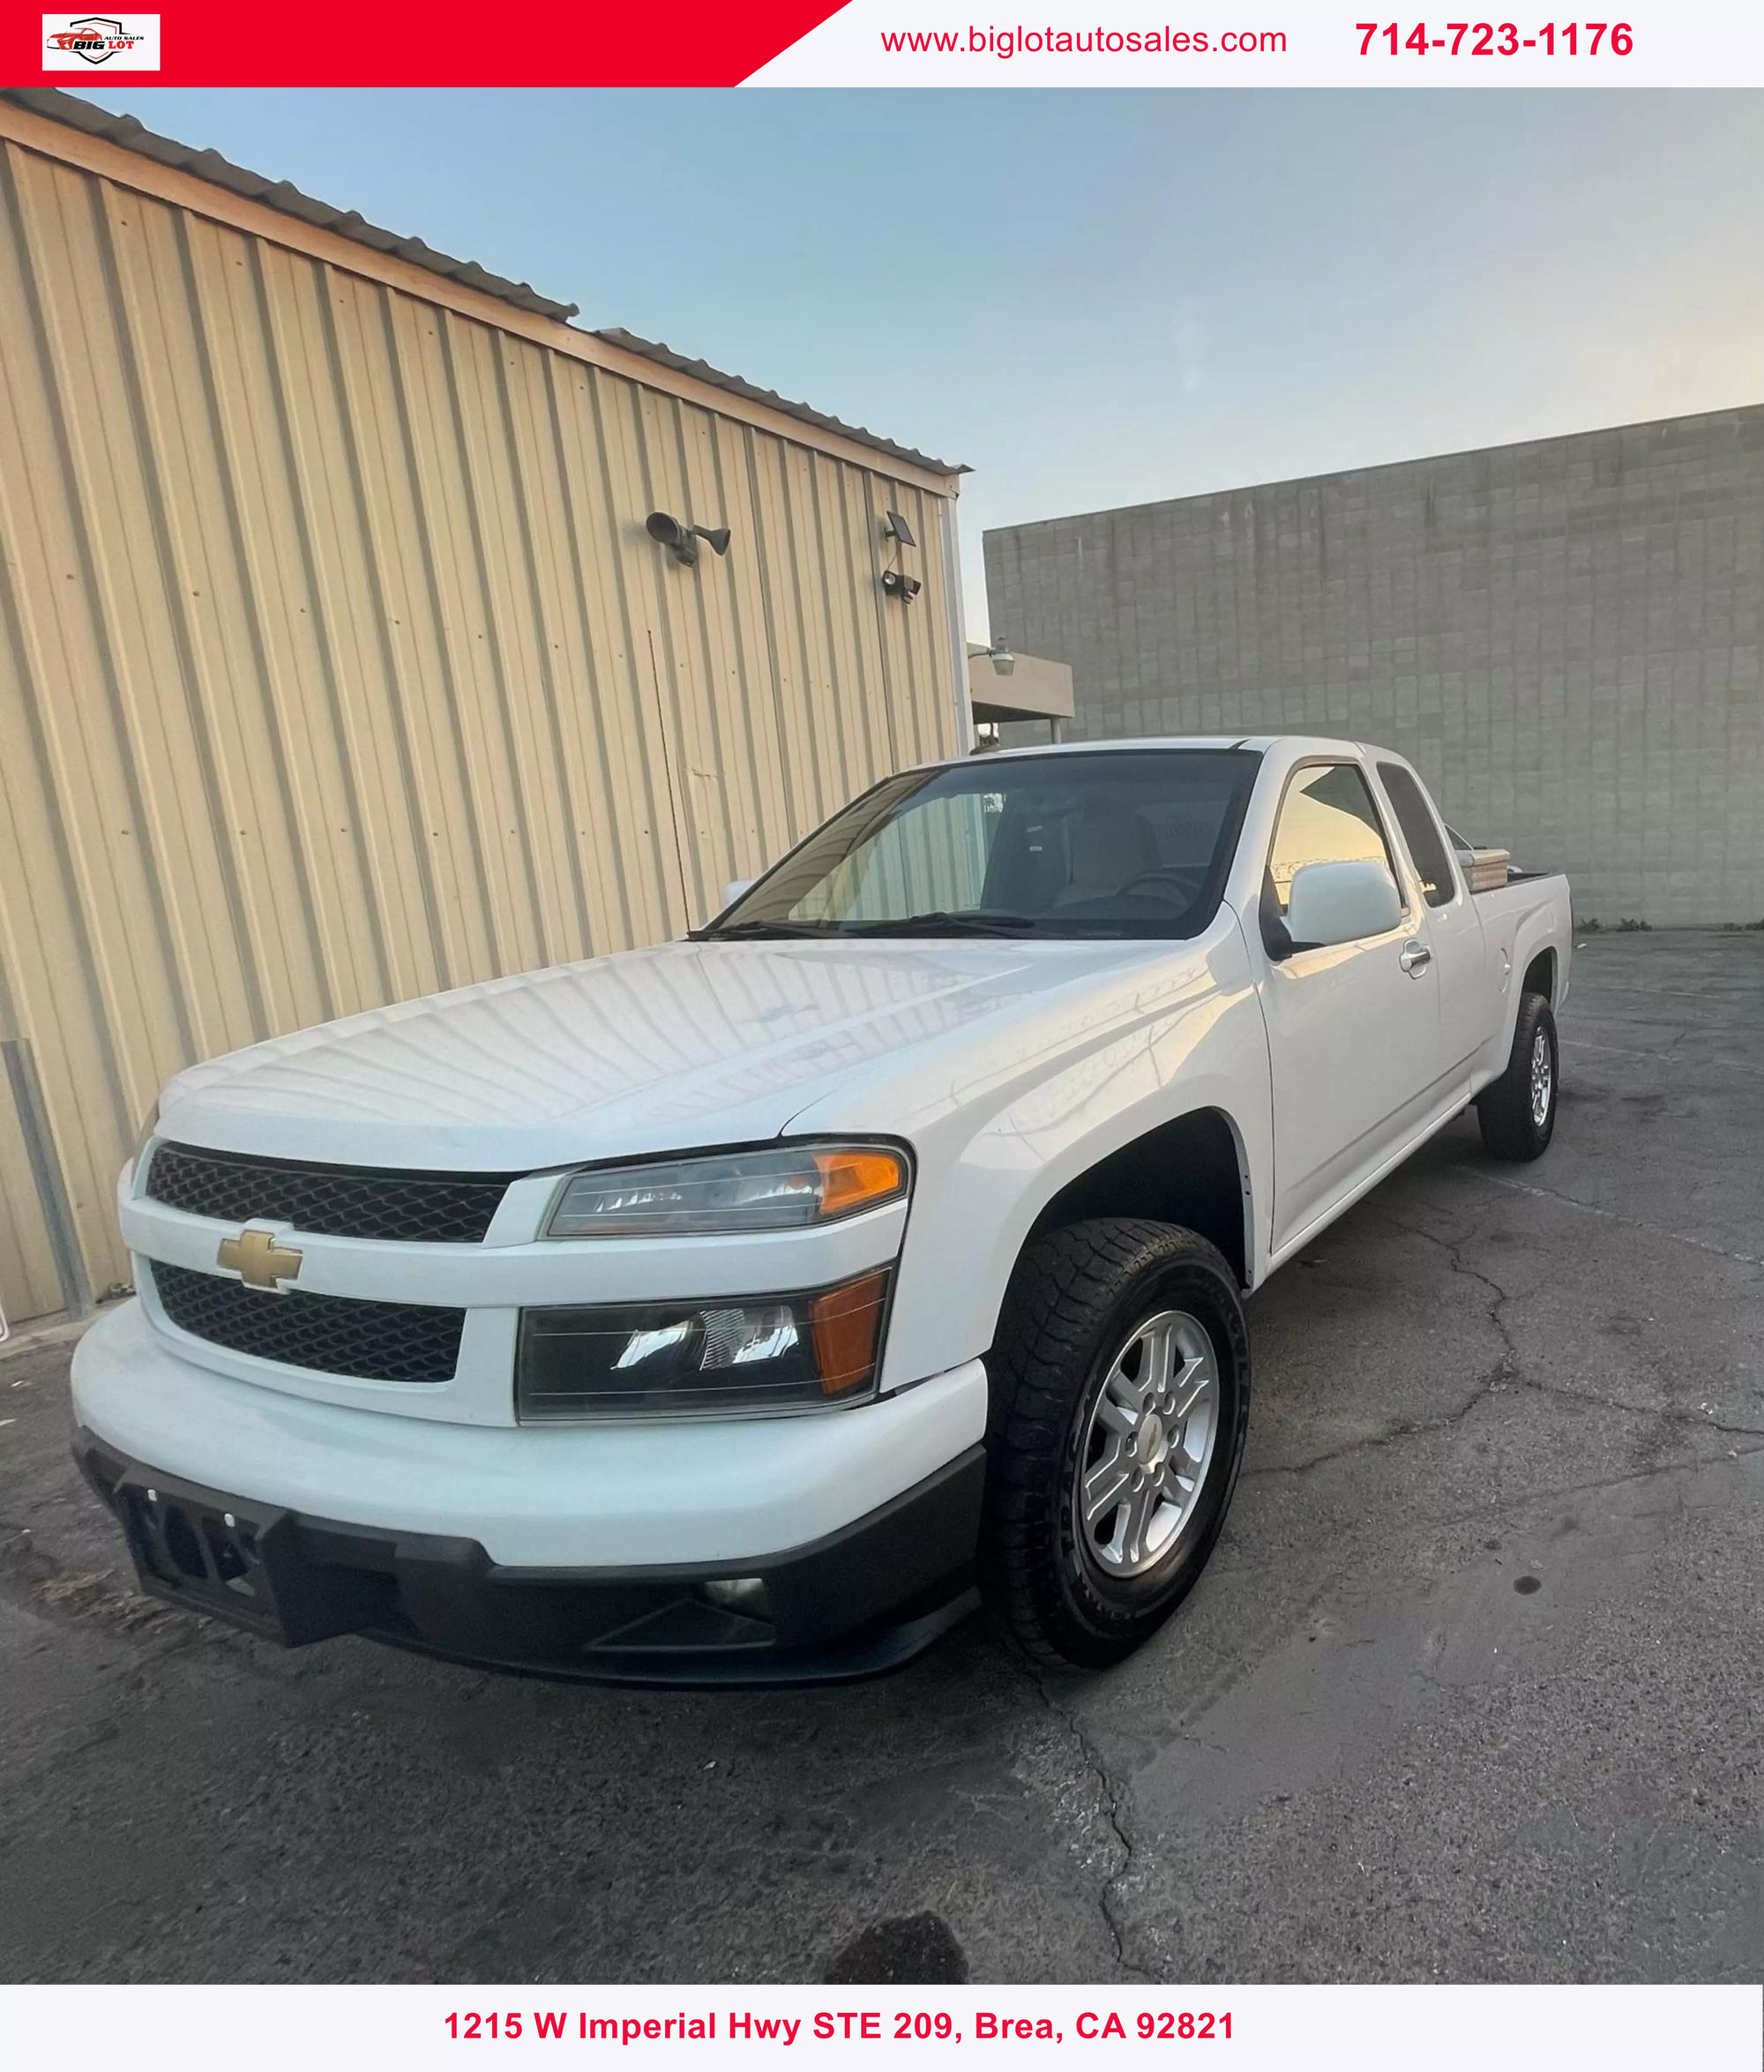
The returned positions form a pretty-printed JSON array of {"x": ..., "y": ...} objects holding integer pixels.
[{"x": 258, "y": 1260}]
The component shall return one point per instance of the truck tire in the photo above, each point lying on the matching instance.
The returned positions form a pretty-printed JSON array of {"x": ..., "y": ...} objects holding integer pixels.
[
  {"x": 1517, "y": 1111},
  {"x": 1120, "y": 1397}
]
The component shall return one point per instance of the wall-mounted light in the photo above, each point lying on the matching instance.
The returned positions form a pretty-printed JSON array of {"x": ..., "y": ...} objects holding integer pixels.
[
  {"x": 1002, "y": 659},
  {"x": 681, "y": 540},
  {"x": 897, "y": 583}
]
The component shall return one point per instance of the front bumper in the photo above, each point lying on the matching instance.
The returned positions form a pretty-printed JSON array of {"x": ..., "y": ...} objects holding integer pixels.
[
  {"x": 861, "y": 1601},
  {"x": 546, "y": 1548}
]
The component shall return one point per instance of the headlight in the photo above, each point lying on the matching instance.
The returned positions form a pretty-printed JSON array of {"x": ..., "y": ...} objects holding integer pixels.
[
  {"x": 727, "y": 1355},
  {"x": 783, "y": 1188}
]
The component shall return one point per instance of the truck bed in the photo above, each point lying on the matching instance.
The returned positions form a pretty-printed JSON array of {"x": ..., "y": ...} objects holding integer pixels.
[{"x": 1505, "y": 909}]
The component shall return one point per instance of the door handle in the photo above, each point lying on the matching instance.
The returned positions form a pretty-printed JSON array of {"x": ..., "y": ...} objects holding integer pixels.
[{"x": 1416, "y": 957}]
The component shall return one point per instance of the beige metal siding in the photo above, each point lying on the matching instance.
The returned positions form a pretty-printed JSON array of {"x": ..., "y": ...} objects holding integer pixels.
[{"x": 336, "y": 666}]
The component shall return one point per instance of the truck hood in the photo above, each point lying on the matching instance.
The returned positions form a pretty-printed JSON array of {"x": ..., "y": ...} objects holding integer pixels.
[{"x": 690, "y": 1044}]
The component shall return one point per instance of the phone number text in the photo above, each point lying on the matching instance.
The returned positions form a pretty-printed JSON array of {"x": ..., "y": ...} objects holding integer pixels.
[{"x": 1495, "y": 38}]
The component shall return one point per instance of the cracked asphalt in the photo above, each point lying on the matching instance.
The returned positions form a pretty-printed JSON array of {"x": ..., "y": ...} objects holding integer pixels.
[{"x": 1471, "y": 1691}]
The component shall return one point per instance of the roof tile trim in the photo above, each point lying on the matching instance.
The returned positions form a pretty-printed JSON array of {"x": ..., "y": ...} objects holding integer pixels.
[
  {"x": 282, "y": 195},
  {"x": 276, "y": 194},
  {"x": 702, "y": 370}
]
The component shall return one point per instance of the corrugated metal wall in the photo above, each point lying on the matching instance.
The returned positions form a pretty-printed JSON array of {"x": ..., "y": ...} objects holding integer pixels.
[{"x": 336, "y": 666}]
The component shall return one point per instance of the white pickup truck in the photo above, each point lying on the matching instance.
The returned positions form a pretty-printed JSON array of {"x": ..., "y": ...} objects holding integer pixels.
[{"x": 730, "y": 1311}]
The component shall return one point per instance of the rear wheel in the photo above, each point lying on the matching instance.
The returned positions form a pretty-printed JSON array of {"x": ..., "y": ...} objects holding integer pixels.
[
  {"x": 1517, "y": 1111},
  {"x": 1120, "y": 1399}
]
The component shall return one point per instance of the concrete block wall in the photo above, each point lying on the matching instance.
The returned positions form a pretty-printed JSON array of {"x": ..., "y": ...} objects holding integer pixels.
[{"x": 1563, "y": 635}]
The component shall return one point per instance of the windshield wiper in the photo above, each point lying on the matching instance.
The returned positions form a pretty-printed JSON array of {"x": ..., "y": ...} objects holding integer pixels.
[
  {"x": 934, "y": 924},
  {"x": 758, "y": 931},
  {"x": 939, "y": 924}
]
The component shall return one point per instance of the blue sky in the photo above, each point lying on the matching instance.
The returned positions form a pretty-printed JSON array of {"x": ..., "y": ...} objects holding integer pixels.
[{"x": 1097, "y": 298}]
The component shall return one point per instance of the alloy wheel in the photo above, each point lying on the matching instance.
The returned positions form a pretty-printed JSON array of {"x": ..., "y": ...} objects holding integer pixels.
[
  {"x": 1542, "y": 1078},
  {"x": 1148, "y": 1445}
]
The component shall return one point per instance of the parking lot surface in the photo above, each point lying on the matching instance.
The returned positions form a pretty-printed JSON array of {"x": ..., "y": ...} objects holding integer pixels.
[{"x": 1471, "y": 1690}]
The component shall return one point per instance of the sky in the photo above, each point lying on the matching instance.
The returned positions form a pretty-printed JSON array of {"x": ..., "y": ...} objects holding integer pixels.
[{"x": 1096, "y": 298}]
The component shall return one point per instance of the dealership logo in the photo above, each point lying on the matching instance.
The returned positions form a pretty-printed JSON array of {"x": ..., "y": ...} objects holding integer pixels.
[{"x": 131, "y": 41}]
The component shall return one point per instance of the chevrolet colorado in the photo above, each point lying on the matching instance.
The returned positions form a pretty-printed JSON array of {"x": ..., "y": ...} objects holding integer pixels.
[{"x": 729, "y": 1311}]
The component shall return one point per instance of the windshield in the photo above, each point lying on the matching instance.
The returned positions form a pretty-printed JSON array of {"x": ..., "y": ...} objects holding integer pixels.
[{"x": 1113, "y": 842}]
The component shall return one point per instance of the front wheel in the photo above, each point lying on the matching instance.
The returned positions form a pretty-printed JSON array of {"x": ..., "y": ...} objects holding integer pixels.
[
  {"x": 1517, "y": 1111},
  {"x": 1120, "y": 1399}
]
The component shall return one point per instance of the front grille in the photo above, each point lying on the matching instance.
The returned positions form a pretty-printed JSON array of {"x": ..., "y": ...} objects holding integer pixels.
[
  {"x": 327, "y": 1201},
  {"x": 329, "y": 1334}
]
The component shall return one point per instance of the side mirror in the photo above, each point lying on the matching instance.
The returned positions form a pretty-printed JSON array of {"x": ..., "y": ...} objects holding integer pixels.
[
  {"x": 733, "y": 890},
  {"x": 1341, "y": 902}
]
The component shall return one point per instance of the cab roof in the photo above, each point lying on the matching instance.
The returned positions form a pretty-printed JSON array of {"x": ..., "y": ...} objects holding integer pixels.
[{"x": 1258, "y": 743}]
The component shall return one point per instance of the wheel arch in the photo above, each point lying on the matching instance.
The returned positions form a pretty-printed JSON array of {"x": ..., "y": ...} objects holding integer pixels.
[
  {"x": 1192, "y": 1169},
  {"x": 1539, "y": 963},
  {"x": 1540, "y": 975}
]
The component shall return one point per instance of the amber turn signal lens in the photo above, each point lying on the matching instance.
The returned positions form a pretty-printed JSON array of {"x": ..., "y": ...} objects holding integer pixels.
[
  {"x": 856, "y": 1178},
  {"x": 847, "y": 1326}
]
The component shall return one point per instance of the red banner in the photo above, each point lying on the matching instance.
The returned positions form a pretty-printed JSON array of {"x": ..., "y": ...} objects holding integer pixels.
[{"x": 327, "y": 43}]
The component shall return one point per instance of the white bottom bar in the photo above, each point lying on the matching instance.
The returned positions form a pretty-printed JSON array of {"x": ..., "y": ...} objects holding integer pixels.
[{"x": 1369, "y": 2028}]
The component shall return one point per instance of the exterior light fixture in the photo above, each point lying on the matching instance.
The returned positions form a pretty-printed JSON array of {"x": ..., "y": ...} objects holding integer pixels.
[
  {"x": 897, "y": 583},
  {"x": 1002, "y": 659},
  {"x": 681, "y": 540},
  {"x": 895, "y": 528}
]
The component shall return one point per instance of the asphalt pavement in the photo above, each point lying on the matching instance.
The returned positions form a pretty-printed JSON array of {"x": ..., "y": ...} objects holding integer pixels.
[{"x": 1472, "y": 1689}]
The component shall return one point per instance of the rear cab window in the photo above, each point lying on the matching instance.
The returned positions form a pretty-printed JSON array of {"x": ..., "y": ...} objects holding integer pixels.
[{"x": 1421, "y": 831}]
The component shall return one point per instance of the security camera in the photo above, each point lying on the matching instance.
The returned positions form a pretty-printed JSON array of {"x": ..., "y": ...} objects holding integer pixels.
[
  {"x": 669, "y": 533},
  {"x": 905, "y": 587},
  {"x": 681, "y": 540}
]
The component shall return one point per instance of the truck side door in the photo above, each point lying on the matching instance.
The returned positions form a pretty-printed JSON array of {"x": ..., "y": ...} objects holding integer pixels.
[
  {"x": 1467, "y": 999},
  {"x": 1353, "y": 1027}
]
